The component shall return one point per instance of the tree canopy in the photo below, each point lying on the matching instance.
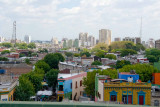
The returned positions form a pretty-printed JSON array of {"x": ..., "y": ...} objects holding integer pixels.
[
  {"x": 89, "y": 81},
  {"x": 100, "y": 46},
  {"x": 41, "y": 64},
  {"x": 120, "y": 64},
  {"x": 53, "y": 59},
  {"x": 126, "y": 52},
  {"x": 96, "y": 63},
  {"x": 144, "y": 70},
  {"x": 110, "y": 56},
  {"x": 51, "y": 77},
  {"x": 153, "y": 55},
  {"x": 32, "y": 45},
  {"x": 69, "y": 54},
  {"x": 25, "y": 89}
]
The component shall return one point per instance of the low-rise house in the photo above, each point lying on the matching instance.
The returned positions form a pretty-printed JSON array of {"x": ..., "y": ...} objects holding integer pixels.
[
  {"x": 16, "y": 69},
  {"x": 156, "y": 79},
  {"x": 70, "y": 86},
  {"x": 155, "y": 100},
  {"x": 7, "y": 88},
  {"x": 87, "y": 61},
  {"x": 123, "y": 92},
  {"x": 73, "y": 67},
  {"x": 129, "y": 76},
  {"x": 107, "y": 61}
]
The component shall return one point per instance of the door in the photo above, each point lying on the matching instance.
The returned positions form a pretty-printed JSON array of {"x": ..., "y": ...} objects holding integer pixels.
[
  {"x": 129, "y": 99},
  {"x": 124, "y": 99},
  {"x": 141, "y": 99},
  {"x": 113, "y": 97}
]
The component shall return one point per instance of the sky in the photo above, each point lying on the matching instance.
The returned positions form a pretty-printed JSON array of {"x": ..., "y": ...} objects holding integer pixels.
[{"x": 44, "y": 19}]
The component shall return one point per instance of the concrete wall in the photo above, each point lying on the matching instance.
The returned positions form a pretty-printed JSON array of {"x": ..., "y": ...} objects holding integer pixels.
[
  {"x": 79, "y": 88},
  {"x": 101, "y": 91}
]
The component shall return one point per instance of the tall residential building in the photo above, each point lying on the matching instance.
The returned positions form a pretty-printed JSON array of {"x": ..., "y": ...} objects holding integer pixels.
[
  {"x": 2, "y": 39},
  {"x": 54, "y": 41},
  {"x": 27, "y": 39},
  {"x": 135, "y": 40},
  {"x": 91, "y": 41},
  {"x": 83, "y": 37},
  {"x": 117, "y": 39},
  {"x": 157, "y": 44},
  {"x": 151, "y": 43},
  {"x": 105, "y": 36}
]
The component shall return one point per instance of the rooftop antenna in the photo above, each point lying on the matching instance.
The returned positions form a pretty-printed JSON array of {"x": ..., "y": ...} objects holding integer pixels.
[{"x": 140, "y": 33}]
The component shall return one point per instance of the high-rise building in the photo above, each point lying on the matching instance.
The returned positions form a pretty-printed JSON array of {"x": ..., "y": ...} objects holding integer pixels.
[
  {"x": 105, "y": 36},
  {"x": 151, "y": 43},
  {"x": 157, "y": 44},
  {"x": 135, "y": 40},
  {"x": 91, "y": 41},
  {"x": 83, "y": 37},
  {"x": 2, "y": 39},
  {"x": 117, "y": 39},
  {"x": 27, "y": 39},
  {"x": 54, "y": 41}
]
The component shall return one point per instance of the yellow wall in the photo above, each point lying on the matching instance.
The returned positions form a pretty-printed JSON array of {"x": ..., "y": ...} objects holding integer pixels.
[{"x": 118, "y": 88}]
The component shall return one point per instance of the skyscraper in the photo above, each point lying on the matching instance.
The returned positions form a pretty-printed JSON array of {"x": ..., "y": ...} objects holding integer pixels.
[
  {"x": 105, "y": 36},
  {"x": 27, "y": 39},
  {"x": 157, "y": 44},
  {"x": 91, "y": 41}
]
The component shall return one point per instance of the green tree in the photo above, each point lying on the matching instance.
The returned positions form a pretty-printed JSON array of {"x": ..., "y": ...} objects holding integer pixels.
[
  {"x": 152, "y": 55},
  {"x": 120, "y": 64},
  {"x": 7, "y": 45},
  {"x": 42, "y": 65},
  {"x": 69, "y": 54},
  {"x": 126, "y": 52},
  {"x": 145, "y": 71},
  {"x": 5, "y": 51},
  {"x": 96, "y": 63},
  {"x": 36, "y": 80},
  {"x": 60, "y": 57},
  {"x": 22, "y": 46},
  {"x": 89, "y": 81},
  {"x": 27, "y": 61},
  {"x": 87, "y": 54},
  {"x": 32, "y": 45},
  {"x": 100, "y": 54},
  {"x": 76, "y": 55},
  {"x": 53, "y": 59},
  {"x": 100, "y": 46},
  {"x": 110, "y": 56},
  {"x": 4, "y": 59},
  {"x": 51, "y": 78},
  {"x": 25, "y": 90}
]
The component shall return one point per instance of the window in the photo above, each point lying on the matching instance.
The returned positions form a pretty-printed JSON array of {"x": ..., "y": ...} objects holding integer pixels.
[
  {"x": 60, "y": 87},
  {"x": 80, "y": 83},
  {"x": 76, "y": 85},
  {"x": 113, "y": 97},
  {"x": 156, "y": 103}
]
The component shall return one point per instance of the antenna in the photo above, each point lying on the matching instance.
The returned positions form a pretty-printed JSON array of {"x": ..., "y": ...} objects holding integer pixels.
[
  {"x": 140, "y": 33},
  {"x": 14, "y": 33}
]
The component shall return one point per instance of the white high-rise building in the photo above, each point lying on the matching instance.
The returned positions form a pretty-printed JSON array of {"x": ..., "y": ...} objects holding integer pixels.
[
  {"x": 54, "y": 41},
  {"x": 2, "y": 39},
  {"x": 27, "y": 39},
  {"x": 91, "y": 41},
  {"x": 105, "y": 36}
]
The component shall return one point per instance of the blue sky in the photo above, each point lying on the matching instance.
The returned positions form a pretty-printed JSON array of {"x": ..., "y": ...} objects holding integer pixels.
[{"x": 44, "y": 19}]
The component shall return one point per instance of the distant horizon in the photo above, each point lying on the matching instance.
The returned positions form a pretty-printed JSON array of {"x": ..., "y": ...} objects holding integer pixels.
[{"x": 67, "y": 18}]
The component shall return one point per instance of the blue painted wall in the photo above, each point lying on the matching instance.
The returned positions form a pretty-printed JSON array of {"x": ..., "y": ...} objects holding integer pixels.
[
  {"x": 67, "y": 86},
  {"x": 125, "y": 76}
]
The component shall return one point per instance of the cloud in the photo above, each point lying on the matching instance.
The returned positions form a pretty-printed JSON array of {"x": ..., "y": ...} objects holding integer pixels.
[{"x": 84, "y": 15}]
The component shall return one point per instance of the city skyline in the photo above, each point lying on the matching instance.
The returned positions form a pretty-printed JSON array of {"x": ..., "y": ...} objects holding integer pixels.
[{"x": 67, "y": 18}]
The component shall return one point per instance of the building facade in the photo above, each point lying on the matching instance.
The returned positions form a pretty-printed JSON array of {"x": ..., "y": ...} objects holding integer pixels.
[
  {"x": 27, "y": 39},
  {"x": 70, "y": 86},
  {"x": 135, "y": 40},
  {"x": 117, "y": 39},
  {"x": 105, "y": 36},
  {"x": 123, "y": 92},
  {"x": 157, "y": 44}
]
